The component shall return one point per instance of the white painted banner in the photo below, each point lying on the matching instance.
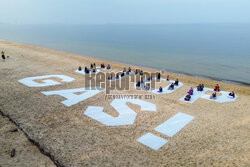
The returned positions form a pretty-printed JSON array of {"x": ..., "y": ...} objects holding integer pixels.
[
  {"x": 71, "y": 97},
  {"x": 152, "y": 141},
  {"x": 30, "y": 81},
  {"x": 174, "y": 124},
  {"x": 126, "y": 115}
]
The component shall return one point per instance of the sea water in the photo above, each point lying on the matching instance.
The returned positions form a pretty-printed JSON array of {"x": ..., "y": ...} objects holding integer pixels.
[{"x": 219, "y": 51}]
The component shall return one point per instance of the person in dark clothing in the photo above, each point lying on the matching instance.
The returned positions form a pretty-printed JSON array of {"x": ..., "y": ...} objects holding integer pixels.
[
  {"x": 213, "y": 96},
  {"x": 102, "y": 66},
  {"x": 117, "y": 76},
  {"x": 176, "y": 82},
  {"x": 147, "y": 86},
  {"x": 200, "y": 87},
  {"x": 136, "y": 72},
  {"x": 171, "y": 87},
  {"x": 110, "y": 77},
  {"x": 231, "y": 95},
  {"x": 160, "y": 90},
  {"x": 159, "y": 76},
  {"x": 85, "y": 69},
  {"x": 168, "y": 78},
  {"x": 129, "y": 69},
  {"x": 3, "y": 56},
  {"x": 79, "y": 68},
  {"x": 188, "y": 97},
  {"x": 142, "y": 82},
  {"x": 138, "y": 84}
]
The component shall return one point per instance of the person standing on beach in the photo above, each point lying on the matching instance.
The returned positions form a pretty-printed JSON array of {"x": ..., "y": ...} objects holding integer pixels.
[{"x": 3, "y": 56}]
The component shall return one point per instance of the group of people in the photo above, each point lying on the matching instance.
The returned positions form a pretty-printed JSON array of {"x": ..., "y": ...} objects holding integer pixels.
[
  {"x": 118, "y": 75},
  {"x": 103, "y": 66},
  {"x": 3, "y": 56},
  {"x": 141, "y": 83},
  {"x": 176, "y": 83},
  {"x": 200, "y": 87},
  {"x": 147, "y": 86},
  {"x": 87, "y": 70},
  {"x": 216, "y": 89},
  {"x": 189, "y": 94},
  {"x": 171, "y": 86},
  {"x": 140, "y": 72},
  {"x": 126, "y": 71},
  {"x": 110, "y": 77},
  {"x": 93, "y": 68}
]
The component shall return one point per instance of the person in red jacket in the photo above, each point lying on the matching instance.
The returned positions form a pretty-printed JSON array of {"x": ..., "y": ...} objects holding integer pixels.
[{"x": 217, "y": 88}]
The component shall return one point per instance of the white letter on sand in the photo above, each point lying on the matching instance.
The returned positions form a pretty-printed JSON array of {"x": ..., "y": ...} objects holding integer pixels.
[
  {"x": 31, "y": 83},
  {"x": 73, "y": 98},
  {"x": 126, "y": 115},
  {"x": 222, "y": 98}
]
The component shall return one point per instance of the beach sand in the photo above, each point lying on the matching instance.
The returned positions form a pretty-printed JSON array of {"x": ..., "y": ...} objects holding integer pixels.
[
  {"x": 219, "y": 135},
  {"x": 26, "y": 154}
]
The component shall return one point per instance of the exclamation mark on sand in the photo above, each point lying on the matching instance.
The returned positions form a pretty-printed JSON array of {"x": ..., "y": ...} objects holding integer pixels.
[{"x": 168, "y": 128}]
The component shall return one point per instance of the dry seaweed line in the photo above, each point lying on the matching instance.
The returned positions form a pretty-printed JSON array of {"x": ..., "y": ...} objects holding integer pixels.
[{"x": 41, "y": 149}]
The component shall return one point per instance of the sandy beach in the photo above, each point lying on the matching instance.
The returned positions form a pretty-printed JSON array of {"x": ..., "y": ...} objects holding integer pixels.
[{"x": 218, "y": 135}]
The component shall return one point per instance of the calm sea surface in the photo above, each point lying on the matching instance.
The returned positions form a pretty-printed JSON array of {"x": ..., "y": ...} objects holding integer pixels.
[{"x": 220, "y": 51}]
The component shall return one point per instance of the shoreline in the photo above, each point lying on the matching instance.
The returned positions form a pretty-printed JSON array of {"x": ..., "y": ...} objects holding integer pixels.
[
  {"x": 72, "y": 137},
  {"x": 234, "y": 82},
  {"x": 192, "y": 79},
  {"x": 186, "y": 74}
]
